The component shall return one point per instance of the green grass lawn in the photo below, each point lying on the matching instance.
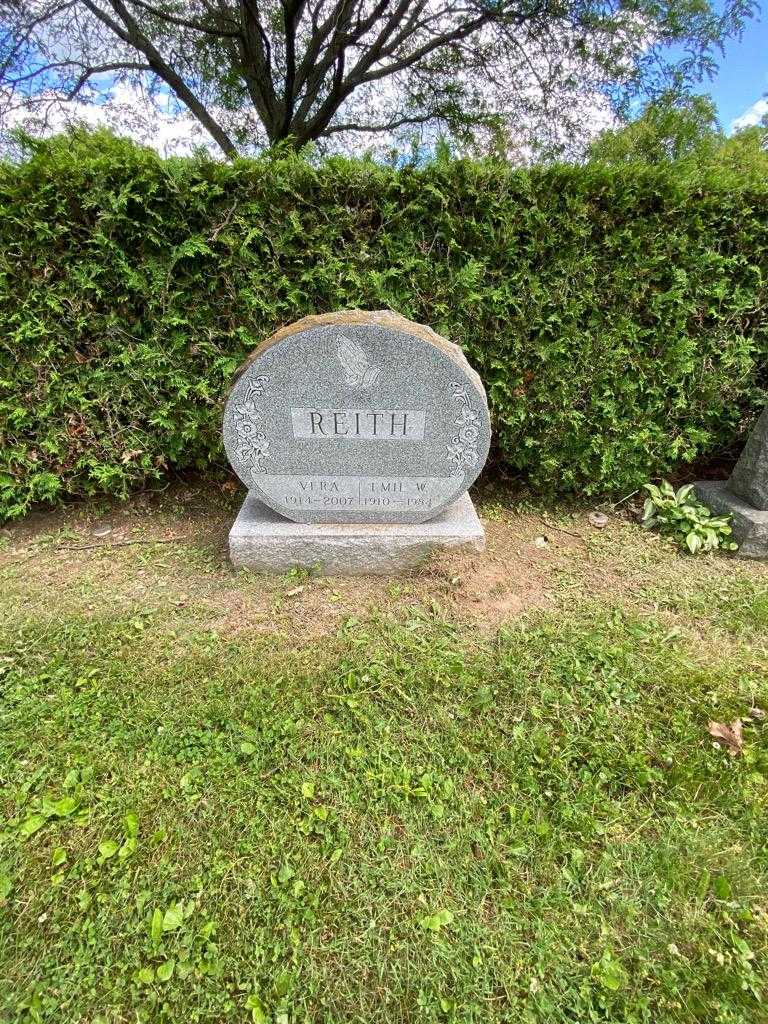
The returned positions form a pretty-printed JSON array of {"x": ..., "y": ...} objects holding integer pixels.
[{"x": 232, "y": 798}]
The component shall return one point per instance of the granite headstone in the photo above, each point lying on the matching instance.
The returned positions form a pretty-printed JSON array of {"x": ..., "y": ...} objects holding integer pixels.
[
  {"x": 357, "y": 435},
  {"x": 749, "y": 479},
  {"x": 744, "y": 495},
  {"x": 357, "y": 418}
]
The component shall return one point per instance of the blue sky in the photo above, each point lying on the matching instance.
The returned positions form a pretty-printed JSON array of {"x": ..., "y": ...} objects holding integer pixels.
[{"x": 742, "y": 80}]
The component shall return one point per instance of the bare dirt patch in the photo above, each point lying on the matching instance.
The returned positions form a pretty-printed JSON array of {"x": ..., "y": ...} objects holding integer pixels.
[
  {"x": 165, "y": 555},
  {"x": 170, "y": 550}
]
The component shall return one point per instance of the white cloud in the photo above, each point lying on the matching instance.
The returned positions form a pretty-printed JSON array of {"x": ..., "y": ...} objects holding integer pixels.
[
  {"x": 155, "y": 121},
  {"x": 158, "y": 120},
  {"x": 753, "y": 115}
]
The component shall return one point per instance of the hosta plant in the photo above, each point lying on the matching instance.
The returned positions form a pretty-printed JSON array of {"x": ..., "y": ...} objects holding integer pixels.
[{"x": 681, "y": 515}]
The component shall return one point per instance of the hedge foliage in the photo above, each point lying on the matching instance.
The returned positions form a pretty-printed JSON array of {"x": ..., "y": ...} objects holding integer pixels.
[{"x": 616, "y": 315}]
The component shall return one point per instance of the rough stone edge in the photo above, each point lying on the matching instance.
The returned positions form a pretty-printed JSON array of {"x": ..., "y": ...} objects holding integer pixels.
[
  {"x": 750, "y": 525},
  {"x": 752, "y": 462},
  {"x": 361, "y": 317},
  {"x": 358, "y": 549}
]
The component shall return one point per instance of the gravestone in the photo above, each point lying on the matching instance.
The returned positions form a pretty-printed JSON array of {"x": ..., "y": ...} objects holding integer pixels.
[
  {"x": 357, "y": 435},
  {"x": 745, "y": 494}
]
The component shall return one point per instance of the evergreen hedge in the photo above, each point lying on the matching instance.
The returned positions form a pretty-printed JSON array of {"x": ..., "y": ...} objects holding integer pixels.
[{"x": 616, "y": 315}]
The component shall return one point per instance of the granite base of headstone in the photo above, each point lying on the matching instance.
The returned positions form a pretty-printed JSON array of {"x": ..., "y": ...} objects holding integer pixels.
[
  {"x": 357, "y": 435},
  {"x": 744, "y": 495},
  {"x": 264, "y": 541}
]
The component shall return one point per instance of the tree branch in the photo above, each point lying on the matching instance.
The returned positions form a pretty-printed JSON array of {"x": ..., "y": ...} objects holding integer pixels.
[
  {"x": 130, "y": 33},
  {"x": 423, "y": 51},
  {"x": 256, "y": 66},
  {"x": 389, "y": 127},
  {"x": 196, "y": 26},
  {"x": 101, "y": 69}
]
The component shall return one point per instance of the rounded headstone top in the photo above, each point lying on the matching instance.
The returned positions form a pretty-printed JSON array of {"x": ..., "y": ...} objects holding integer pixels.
[{"x": 357, "y": 417}]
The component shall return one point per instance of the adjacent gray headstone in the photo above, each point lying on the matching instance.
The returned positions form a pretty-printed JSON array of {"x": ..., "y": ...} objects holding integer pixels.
[
  {"x": 749, "y": 479},
  {"x": 745, "y": 495},
  {"x": 357, "y": 418}
]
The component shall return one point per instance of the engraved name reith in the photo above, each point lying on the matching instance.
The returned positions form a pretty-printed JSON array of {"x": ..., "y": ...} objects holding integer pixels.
[{"x": 358, "y": 424}]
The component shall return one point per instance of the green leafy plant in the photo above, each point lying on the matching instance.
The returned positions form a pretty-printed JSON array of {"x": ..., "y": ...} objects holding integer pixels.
[
  {"x": 681, "y": 515},
  {"x": 593, "y": 300}
]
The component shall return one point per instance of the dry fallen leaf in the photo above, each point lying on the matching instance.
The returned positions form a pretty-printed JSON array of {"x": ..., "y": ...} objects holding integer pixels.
[{"x": 730, "y": 735}]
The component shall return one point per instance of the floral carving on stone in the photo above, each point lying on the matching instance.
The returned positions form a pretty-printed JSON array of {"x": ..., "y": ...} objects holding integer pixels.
[
  {"x": 462, "y": 450},
  {"x": 252, "y": 443}
]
